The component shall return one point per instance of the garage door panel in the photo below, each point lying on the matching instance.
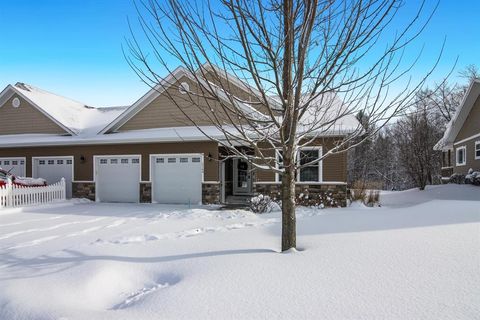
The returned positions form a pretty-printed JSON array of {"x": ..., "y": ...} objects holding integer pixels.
[
  {"x": 118, "y": 179},
  {"x": 177, "y": 179},
  {"x": 53, "y": 169},
  {"x": 14, "y": 165}
]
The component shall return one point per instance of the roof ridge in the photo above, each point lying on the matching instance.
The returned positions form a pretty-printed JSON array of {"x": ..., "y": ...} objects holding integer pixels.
[{"x": 29, "y": 87}]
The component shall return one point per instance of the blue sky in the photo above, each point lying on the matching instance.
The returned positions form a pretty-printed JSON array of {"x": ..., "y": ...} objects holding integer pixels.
[{"x": 73, "y": 47}]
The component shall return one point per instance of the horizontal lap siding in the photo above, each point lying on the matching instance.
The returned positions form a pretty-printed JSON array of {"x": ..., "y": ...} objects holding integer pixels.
[
  {"x": 334, "y": 166},
  {"x": 25, "y": 119},
  {"x": 165, "y": 113},
  {"x": 84, "y": 170},
  {"x": 471, "y": 162},
  {"x": 471, "y": 126}
]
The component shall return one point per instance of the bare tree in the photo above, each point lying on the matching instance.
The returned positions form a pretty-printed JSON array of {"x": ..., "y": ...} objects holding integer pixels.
[
  {"x": 306, "y": 64},
  {"x": 415, "y": 134}
]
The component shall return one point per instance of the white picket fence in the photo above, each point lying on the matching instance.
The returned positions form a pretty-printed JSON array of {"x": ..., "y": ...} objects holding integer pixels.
[{"x": 12, "y": 195}]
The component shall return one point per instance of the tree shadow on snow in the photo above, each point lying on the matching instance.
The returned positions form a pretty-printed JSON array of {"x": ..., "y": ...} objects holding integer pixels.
[{"x": 21, "y": 268}]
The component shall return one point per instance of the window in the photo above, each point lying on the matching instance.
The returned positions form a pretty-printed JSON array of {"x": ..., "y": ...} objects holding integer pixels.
[
  {"x": 477, "y": 150},
  {"x": 6, "y": 162},
  {"x": 113, "y": 161},
  {"x": 59, "y": 161},
  {"x": 172, "y": 160},
  {"x": 51, "y": 162},
  {"x": 41, "y": 162},
  {"x": 124, "y": 161},
  {"x": 461, "y": 156},
  {"x": 14, "y": 162},
  {"x": 310, "y": 173},
  {"x": 69, "y": 161},
  {"x": 103, "y": 161},
  {"x": 135, "y": 161},
  {"x": 196, "y": 159},
  {"x": 183, "y": 160},
  {"x": 159, "y": 160},
  {"x": 279, "y": 156}
]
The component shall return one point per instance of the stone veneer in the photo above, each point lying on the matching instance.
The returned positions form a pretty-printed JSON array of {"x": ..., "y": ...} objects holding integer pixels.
[
  {"x": 145, "y": 192},
  {"x": 83, "y": 190},
  {"x": 328, "y": 195},
  {"x": 211, "y": 193}
]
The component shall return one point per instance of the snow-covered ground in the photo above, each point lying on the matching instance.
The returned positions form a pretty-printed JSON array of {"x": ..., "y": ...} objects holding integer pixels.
[{"x": 416, "y": 257}]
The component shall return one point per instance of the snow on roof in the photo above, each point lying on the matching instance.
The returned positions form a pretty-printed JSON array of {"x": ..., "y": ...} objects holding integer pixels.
[
  {"x": 134, "y": 136},
  {"x": 461, "y": 114},
  {"x": 330, "y": 113},
  {"x": 77, "y": 117}
]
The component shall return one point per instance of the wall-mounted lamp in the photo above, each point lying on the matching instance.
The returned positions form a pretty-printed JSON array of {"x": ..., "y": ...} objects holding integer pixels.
[
  {"x": 82, "y": 159},
  {"x": 210, "y": 158}
]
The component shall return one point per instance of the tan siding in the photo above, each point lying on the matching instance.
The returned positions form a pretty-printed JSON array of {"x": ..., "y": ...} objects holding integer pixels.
[
  {"x": 237, "y": 91},
  {"x": 164, "y": 113},
  {"x": 471, "y": 162},
  {"x": 25, "y": 119},
  {"x": 83, "y": 171},
  {"x": 471, "y": 126},
  {"x": 334, "y": 166}
]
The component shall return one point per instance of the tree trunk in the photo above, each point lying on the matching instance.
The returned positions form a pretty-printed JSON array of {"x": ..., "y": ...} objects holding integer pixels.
[{"x": 289, "y": 233}]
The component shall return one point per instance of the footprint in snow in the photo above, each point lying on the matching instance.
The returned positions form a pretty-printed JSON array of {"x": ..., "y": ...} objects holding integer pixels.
[{"x": 164, "y": 281}]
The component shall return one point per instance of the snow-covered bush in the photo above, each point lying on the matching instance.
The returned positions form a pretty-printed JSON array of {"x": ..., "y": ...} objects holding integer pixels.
[
  {"x": 263, "y": 204},
  {"x": 457, "y": 178},
  {"x": 316, "y": 200},
  {"x": 473, "y": 177}
]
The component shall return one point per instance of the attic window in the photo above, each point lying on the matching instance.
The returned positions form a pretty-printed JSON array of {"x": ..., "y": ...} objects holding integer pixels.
[
  {"x": 183, "y": 88},
  {"x": 16, "y": 103}
]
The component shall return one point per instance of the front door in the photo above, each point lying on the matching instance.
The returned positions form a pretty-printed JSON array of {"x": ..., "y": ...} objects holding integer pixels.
[{"x": 242, "y": 177}]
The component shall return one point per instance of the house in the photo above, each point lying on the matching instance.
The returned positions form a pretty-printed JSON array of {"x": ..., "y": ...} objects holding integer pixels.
[
  {"x": 149, "y": 151},
  {"x": 460, "y": 143}
]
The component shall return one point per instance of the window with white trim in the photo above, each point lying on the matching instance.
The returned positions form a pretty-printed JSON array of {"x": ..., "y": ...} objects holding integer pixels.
[
  {"x": 312, "y": 172},
  {"x": 461, "y": 155},
  {"x": 279, "y": 157},
  {"x": 477, "y": 150}
]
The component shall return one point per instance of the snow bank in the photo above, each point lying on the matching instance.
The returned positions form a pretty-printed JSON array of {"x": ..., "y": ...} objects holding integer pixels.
[{"x": 90, "y": 260}]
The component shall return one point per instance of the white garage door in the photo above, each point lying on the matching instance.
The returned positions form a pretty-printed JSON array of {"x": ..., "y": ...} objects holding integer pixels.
[
  {"x": 16, "y": 166},
  {"x": 117, "y": 178},
  {"x": 177, "y": 178},
  {"x": 53, "y": 169}
]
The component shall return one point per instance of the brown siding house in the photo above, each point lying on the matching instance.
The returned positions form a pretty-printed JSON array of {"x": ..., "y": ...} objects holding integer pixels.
[
  {"x": 146, "y": 152},
  {"x": 461, "y": 142}
]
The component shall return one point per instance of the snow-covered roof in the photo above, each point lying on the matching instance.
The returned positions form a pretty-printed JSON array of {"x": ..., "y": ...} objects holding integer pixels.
[
  {"x": 461, "y": 114},
  {"x": 134, "y": 136},
  {"x": 77, "y": 117},
  {"x": 89, "y": 125}
]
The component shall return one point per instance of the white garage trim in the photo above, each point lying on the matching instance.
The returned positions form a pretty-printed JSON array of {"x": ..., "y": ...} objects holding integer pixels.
[
  {"x": 95, "y": 157},
  {"x": 166, "y": 155},
  {"x": 34, "y": 171},
  {"x": 24, "y": 159}
]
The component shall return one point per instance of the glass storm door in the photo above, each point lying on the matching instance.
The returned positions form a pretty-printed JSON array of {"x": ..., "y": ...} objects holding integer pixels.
[{"x": 242, "y": 177}]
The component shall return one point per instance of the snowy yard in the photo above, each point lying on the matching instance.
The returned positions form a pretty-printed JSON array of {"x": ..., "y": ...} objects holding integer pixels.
[{"x": 417, "y": 257}]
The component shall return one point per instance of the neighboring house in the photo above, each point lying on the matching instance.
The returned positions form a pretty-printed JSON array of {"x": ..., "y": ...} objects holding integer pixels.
[
  {"x": 149, "y": 151},
  {"x": 461, "y": 141}
]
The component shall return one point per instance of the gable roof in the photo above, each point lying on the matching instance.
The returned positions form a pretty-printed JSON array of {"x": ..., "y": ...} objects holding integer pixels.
[
  {"x": 458, "y": 119},
  {"x": 74, "y": 117},
  {"x": 156, "y": 91}
]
